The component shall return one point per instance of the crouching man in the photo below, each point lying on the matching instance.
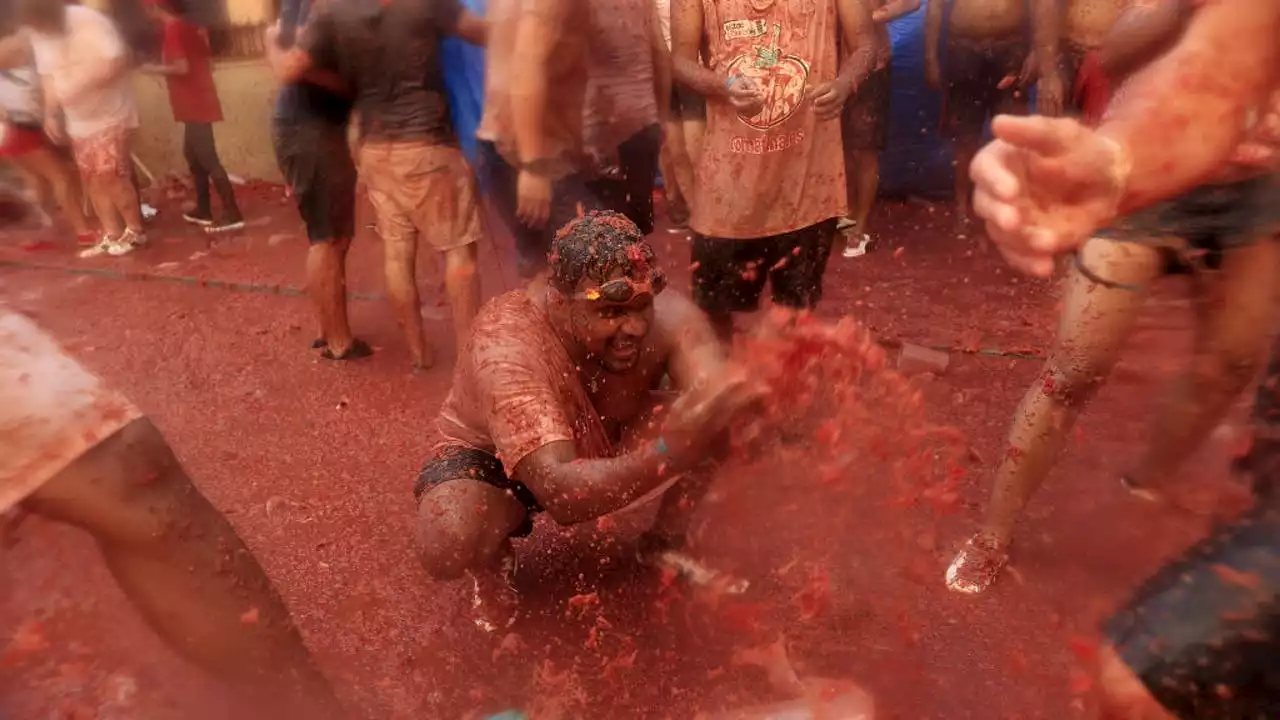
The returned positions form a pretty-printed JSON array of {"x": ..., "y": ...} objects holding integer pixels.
[{"x": 555, "y": 407}]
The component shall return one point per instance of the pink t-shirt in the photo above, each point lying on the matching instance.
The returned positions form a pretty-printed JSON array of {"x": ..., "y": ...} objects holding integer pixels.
[
  {"x": 621, "y": 97},
  {"x": 782, "y": 170},
  {"x": 516, "y": 389}
]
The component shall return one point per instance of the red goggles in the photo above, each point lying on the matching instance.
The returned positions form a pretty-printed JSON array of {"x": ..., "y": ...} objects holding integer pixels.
[{"x": 624, "y": 289}]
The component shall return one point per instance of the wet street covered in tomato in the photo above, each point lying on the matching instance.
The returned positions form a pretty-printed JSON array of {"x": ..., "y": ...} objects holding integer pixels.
[{"x": 313, "y": 462}]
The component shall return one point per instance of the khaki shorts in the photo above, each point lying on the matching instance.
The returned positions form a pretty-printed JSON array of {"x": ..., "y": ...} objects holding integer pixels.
[
  {"x": 421, "y": 188},
  {"x": 52, "y": 410}
]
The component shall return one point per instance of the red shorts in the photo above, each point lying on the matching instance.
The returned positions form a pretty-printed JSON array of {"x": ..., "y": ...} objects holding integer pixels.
[
  {"x": 105, "y": 154},
  {"x": 17, "y": 140}
]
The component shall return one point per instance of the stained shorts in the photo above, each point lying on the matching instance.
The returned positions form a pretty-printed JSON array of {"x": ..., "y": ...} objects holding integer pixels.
[
  {"x": 104, "y": 154},
  {"x": 424, "y": 189},
  {"x": 52, "y": 410},
  {"x": 972, "y": 74},
  {"x": 315, "y": 159},
  {"x": 1203, "y": 634},
  {"x": 466, "y": 464},
  {"x": 1196, "y": 227},
  {"x": 729, "y": 275}
]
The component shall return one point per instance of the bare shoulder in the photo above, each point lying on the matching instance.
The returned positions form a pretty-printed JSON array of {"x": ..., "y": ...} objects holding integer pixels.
[{"x": 677, "y": 322}]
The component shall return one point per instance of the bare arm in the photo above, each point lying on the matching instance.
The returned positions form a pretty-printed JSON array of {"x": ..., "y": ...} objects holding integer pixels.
[
  {"x": 686, "y": 46},
  {"x": 473, "y": 28},
  {"x": 933, "y": 13},
  {"x": 15, "y": 52},
  {"x": 858, "y": 31},
  {"x": 1046, "y": 35},
  {"x": 535, "y": 38},
  {"x": 1140, "y": 34},
  {"x": 574, "y": 491},
  {"x": 661, "y": 66},
  {"x": 1195, "y": 98},
  {"x": 696, "y": 352},
  {"x": 288, "y": 64},
  {"x": 894, "y": 9}
]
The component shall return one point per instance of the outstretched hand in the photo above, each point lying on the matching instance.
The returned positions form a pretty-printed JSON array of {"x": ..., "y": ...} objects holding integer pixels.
[
  {"x": 699, "y": 417},
  {"x": 1044, "y": 185}
]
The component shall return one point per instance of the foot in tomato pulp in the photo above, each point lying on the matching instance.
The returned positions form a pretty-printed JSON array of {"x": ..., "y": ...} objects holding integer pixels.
[
  {"x": 671, "y": 556},
  {"x": 495, "y": 602},
  {"x": 977, "y": 565}
]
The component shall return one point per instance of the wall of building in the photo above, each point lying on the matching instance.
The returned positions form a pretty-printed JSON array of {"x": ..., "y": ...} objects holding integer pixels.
[{"x": 248, "y": 93}]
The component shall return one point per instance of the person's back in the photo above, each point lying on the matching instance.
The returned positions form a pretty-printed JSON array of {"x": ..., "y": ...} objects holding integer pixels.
[
  {"x": 304, "y": 102},
  {"x": 73, "y": 60},
  {"x": 392, "y": 50}
]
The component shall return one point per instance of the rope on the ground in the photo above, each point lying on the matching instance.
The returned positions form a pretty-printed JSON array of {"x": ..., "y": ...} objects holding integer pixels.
[{"x": 287, "y": 290}]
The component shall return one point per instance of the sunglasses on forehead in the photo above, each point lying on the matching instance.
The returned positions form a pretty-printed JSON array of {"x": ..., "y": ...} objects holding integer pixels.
[{"x": 624, "y": 289}]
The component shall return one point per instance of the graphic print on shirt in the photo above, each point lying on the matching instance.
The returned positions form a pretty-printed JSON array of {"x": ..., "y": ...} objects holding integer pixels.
[{"x": 782, "y": 77}]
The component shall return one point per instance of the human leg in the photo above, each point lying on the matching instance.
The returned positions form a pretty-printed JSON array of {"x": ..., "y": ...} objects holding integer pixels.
[
  {"x": 468, "y": 511},
  {"x": 203, "y": 212},
  {"x": 1095, "y": 322},
  {"x": 206, "y": 154},
  {"x": 729, "y": 276},
  {"x": 50, "y": 165},
  {"x": 186, "y": 570},
  {"x": 315, "y": 163},
  {"x": 1235, "y": 317},
  {"x": 864, "y": 128},
  {"x": 638, "y": 157}
]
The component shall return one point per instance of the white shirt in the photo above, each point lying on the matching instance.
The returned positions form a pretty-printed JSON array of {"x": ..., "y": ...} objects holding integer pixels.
[
  {"x": 20, "y": 95},
  {"x": 90, "y": 41}
]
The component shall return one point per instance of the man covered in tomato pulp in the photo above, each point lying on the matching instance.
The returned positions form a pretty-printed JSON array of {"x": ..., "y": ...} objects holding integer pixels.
[
  {"x": 556, "y": 407},
  {"x": 770, "y": 181}
]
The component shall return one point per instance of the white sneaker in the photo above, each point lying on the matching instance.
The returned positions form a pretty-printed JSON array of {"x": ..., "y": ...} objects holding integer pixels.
[
  {"x": 103, "y": 246},
  {"x": 148, "y": 212},
  {"x": 857, "y": 251},
  {"x": 128, "y": 242}
]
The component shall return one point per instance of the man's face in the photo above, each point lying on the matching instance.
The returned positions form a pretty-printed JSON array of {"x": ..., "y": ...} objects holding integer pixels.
[{"x": 612, "y": 319}]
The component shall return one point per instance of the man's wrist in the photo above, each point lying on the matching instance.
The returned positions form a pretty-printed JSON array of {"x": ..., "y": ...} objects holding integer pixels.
[
  {"x": 1120, "y": 169},
  {"x": 542, "y": 166}
]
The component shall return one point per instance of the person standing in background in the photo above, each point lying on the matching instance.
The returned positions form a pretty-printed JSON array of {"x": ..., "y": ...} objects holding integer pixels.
[
  {"x": 675, "y": 159},
  {"x": 193, "y": 97},
  {"x": 770, "y": 181},
  {"x": 628, "y": 99},
  {"x": 418, "y": 181},
  {"x": 981, "y": 68},
  {"x": 309, "y": 132},
  {"x": 532, "y": 161},
  {"x": 84, "y": 69},
  {"x": 864, "y": 128},
  {"x": 24, "y": 141}
]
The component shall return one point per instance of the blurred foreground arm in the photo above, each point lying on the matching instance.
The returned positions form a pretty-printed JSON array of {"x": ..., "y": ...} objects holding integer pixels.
[{"x": 1044, "y": 185}]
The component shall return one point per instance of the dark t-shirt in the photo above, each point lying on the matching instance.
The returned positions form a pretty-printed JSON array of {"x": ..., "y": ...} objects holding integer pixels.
[
  {"x": 304, "y": 102},
  {"x": 391, "y": 51}
]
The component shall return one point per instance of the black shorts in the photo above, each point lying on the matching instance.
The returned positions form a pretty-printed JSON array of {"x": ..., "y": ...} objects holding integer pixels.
[
  {"x": 972, "y": 74},
  {"x": 630, "y": 192},
  {"x": 1196, "y": 227},
  {"x": 568, "y": 195},
  {"x": 466, "y": 464},
  {"x": 1203, "y": 634},
  {"x": 315, "y": 160},
  {"x": 687, "y": 104},
  {"x": 729, "y": 275},
  {"x": 864, "y": 124}
]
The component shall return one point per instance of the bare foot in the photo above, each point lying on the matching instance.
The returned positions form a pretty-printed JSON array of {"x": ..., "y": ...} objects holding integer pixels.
[{"x": 495, "y": 602}]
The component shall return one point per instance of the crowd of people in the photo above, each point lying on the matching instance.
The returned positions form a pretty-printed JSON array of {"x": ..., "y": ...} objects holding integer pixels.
[{"x": 592, "y": 385}]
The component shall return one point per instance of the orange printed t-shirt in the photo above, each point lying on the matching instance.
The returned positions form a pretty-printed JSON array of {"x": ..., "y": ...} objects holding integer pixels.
[
  {"x": 516, "y": 389},
  {"x": 566, "y": 75},
  {"x": 782, "y": 170}
]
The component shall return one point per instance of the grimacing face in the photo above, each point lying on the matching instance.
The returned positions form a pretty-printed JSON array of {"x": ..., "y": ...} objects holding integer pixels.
[{"x": 611, "y": 331}]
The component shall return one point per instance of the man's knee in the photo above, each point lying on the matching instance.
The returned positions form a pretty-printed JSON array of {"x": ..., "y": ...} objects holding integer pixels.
[
  {"x": 461, "y": 522},
  {"x": 460, "y": 263},
  {"x": 130, "y": 488},
  {"x": 1070, "y": 382}
]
